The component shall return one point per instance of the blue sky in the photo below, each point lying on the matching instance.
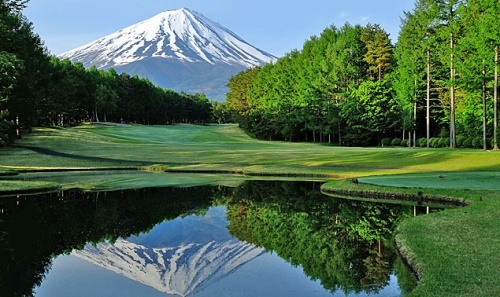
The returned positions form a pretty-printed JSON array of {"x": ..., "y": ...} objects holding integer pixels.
[{"x": 276, "y": 26}]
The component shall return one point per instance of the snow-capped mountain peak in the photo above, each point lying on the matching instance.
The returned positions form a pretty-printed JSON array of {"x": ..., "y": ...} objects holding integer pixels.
[{"x": 181, "y": 34}]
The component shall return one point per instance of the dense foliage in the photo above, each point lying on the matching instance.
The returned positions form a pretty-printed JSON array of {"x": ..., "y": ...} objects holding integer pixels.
[
  {"x": 352, "y": 87},
  {"x": 336, "y": 88},
  {"x": 348, "y": 85},
  {"x": 36, "y": 89}
]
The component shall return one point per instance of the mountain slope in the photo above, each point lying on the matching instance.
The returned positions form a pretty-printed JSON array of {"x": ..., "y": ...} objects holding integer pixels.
[{"x": 179, "y": 49}]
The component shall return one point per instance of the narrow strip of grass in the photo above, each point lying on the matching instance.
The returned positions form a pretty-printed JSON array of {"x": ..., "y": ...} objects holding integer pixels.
[
  {"x": 455, "y": 252},
  {"x": 10, "y": 187}
]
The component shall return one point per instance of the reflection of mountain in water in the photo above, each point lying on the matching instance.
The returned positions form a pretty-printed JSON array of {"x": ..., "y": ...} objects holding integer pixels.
[{"x": 182, "y": 267}]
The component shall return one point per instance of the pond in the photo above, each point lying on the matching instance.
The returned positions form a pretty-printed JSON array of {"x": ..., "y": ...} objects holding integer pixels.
[{"x": 262, "y": 238}]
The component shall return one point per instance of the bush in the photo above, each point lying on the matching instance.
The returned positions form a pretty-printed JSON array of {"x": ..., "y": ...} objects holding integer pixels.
[
  {"x": 460, "y": 140},
  {"x": 434, "y": 142},
  {"x": 467, "y": 142},
  {"x": 477, "y": 142},
  {"x": 405, "y": 143},
  {"x": 444, "y": 142},
  {"x": 396, "y": 142},
  {"x": 422, "y": 142},
  {"x": 386, "y": 141}
]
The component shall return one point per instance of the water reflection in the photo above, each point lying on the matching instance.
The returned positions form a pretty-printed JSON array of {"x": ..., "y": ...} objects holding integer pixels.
[
  {"x": 345, "y": 244},
  {"x": 209, "y": 236},
  {"x": 182, "y": 265}
]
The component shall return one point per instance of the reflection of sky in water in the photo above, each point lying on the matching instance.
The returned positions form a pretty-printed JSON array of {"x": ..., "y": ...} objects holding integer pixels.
[
  {"x": 190, "y": 229},
  {"x": 262, "y": 275}
]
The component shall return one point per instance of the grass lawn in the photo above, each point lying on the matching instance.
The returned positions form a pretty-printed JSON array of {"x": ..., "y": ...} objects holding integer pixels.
[{"x": 455, "y": 251}]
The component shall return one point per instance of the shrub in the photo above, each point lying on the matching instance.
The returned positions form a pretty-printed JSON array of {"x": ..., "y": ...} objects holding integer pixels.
[
  {"x": 460, "y": 140},
  {"x": 434, "y": 142},
  {"x": 477, "y": 142},
  {"x": 405, "y": 143},
  {"x": 396, "y": 142},
  {"x": 422, "y": 142},
  {"x": 386, "y": 141},
  {"x": 467, "y": 142},
  {"x": 444, "y": 142}
]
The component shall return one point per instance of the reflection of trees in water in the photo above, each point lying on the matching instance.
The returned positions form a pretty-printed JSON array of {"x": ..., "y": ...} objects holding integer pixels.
[
  {"x": 335, "y": 241},
  {"x": 345, "y": 244},
  {"x": 42, "y": 227}
]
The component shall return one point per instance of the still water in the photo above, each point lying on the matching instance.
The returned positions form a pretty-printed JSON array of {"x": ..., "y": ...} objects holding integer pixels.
[{"x": 260, "y": 239}]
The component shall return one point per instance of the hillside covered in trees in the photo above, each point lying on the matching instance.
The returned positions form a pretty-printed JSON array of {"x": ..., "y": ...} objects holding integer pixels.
[
  {"x": 37, "y": 89},
  {"x": 438, "y": 86}
]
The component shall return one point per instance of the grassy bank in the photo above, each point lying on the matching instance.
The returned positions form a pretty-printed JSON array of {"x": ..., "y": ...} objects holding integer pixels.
[{"x": 454, "y": 251}]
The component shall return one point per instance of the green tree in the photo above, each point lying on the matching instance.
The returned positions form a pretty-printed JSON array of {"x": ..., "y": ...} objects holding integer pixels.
[
  {"x": 372, "y": 112},
  {"x": 9, "y": 69},
  {"x": 378, "y": 50},
  {"x": 27, "y": 97},
  {"x": 238, "y": 86},
  {"x": 410, "y": 56},
  {"x": 479, "y": 55}
]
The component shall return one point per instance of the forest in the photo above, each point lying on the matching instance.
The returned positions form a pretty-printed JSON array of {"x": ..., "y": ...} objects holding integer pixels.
[
  {"x": 436, "y": 87},
  {"x": 37, "y": 89}
]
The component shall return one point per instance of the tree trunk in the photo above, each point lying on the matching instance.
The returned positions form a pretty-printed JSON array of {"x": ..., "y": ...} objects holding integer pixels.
[
  {"x": 18, "y": 130},
  {"x": 96, "y": 116},
  {"x": 495, "y": 103},
  {"x": 415, "y": 123},
  {"x": 452, "y": 96},
  {"x": 484, "y": 106},
  {"x": 428, "y": 116}
]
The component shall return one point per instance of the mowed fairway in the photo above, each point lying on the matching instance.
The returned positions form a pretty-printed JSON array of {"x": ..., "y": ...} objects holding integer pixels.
[
  {"x": 455, "y": 251},
  {"x": 223, "y": 148}
]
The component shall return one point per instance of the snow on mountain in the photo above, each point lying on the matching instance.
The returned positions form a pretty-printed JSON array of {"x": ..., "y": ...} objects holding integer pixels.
[
  {"x": 181, "y": 270},
  {"x": 182, "y": 35}
]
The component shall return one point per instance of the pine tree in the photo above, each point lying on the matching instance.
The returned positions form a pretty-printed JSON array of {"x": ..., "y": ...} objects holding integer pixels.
[{"x": 378, "y": 50}]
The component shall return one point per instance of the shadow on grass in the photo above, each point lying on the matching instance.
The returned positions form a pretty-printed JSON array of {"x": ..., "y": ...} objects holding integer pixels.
[{"x": 54, "y": 153}]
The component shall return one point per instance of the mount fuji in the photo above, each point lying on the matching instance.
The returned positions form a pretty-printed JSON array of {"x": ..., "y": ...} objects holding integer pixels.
[{"x": 179, "y": 49}]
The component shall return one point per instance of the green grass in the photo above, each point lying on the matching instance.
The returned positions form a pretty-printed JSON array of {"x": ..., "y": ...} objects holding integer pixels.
[
  {"x": 18, "y": 186},
  {"x": 455, "y": 250},
  {"x": 226, "y": 148},
  {"x": 440, "y": 180}
]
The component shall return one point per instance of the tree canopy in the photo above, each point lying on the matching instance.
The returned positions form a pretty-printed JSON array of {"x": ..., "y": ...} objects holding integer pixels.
[{"x": 438, "y": 84}]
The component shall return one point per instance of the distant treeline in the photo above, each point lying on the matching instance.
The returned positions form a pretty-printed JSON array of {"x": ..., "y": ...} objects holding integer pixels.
[
  {"x": 37, "y": 89},
  {"x": 351, "y": 86}
]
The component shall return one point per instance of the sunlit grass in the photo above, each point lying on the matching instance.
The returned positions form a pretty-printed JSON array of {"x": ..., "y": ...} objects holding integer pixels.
[
  {"x": 227, "y": 147},
  {"x": 14, "y": 186},
  {"x": 455, "y": 251}
]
